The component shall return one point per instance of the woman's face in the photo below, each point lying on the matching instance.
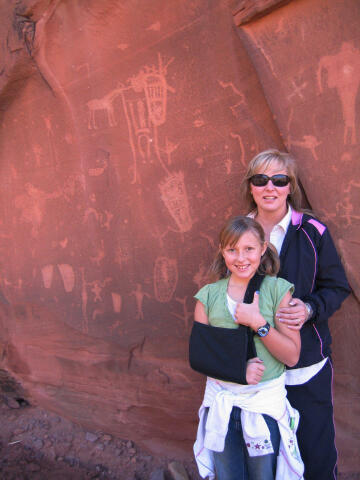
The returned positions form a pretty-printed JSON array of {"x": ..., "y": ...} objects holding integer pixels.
[{"x": 271, "y": 199}]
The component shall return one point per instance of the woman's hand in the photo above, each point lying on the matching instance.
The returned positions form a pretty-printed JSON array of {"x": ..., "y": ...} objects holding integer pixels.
[
  {"x": 254, "y": 371},
  {"x": 249, "y": 314},
  {"x": 293, "y": 316}
]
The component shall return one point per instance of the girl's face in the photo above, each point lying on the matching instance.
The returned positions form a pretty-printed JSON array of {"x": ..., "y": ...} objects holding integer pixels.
[
  {"x": 271, "y": 199},
  {"x": 243, "y": 259}
]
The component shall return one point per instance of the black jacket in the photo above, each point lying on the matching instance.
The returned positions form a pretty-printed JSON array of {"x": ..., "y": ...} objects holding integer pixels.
[{"x": 309, "y": 260}]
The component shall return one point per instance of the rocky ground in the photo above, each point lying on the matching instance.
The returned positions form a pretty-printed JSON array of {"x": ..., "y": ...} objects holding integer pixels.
[{"x": 38, "y": 445}]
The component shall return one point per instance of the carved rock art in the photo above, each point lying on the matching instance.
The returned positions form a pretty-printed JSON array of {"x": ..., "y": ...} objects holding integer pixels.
[{"x": 165, "y": 278}]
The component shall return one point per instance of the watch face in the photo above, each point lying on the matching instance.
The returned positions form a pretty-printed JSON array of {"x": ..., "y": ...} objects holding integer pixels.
[{"x": 263, "y": 331}]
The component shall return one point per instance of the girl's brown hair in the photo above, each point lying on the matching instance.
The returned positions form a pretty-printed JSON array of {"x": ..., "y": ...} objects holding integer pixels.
[
  {"x": 260, "y": 163},
  {"x": 230, "y": 234}
]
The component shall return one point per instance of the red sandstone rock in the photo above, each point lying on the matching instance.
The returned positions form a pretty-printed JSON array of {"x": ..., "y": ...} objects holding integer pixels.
[{"x": 126, "y": 129}]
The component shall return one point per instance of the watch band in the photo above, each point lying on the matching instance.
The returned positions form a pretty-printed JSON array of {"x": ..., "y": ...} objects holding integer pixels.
[
  {"x": 264, "y": 330},
  {"x": 309, "y": 310}
]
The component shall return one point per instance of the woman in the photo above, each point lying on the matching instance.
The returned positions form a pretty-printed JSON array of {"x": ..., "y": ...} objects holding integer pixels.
[{"x": 309, "y": 260}]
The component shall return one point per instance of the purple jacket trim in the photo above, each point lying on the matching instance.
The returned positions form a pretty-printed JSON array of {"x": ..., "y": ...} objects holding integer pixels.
[
  {"x": 315, "y": 255},
  {"x": 296, "y": 218},
  {"x": 319, "y": 226}
]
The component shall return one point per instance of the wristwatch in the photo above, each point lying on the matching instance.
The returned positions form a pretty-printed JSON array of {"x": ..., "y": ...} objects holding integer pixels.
[
  {"x": 264, "y": 330},
  {"x": 309, "y": 310}
]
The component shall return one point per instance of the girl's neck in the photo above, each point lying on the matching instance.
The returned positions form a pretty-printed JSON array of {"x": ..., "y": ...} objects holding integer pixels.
[{"x": 237, "y": 288}]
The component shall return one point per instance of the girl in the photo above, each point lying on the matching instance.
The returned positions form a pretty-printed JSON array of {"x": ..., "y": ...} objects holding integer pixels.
[
  {"x": 309, "y": 260},
  {"x": 247, "y": 432}
]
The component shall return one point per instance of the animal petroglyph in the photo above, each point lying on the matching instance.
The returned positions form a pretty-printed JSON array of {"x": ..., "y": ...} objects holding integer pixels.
[
  {"x": 174, "y": 196},
  {"x": 165, "y": 278},
  {"x": 343, "y": 73},
  {"x": 104, "y": 104}
]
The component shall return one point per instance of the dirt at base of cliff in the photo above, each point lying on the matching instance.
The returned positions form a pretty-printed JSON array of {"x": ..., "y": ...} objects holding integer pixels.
[{"x": 38, "y": 445}]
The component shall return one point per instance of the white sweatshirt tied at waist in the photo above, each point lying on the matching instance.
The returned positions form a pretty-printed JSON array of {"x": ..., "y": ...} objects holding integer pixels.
[{"x": 254, "y": 400}]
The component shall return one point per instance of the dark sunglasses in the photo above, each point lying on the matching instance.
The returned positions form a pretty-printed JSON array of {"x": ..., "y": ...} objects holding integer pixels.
[{"x": 260, "y": 180}]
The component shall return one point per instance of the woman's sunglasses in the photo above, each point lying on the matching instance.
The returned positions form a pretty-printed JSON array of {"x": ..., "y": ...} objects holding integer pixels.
[{"x": 260, "y": 180}]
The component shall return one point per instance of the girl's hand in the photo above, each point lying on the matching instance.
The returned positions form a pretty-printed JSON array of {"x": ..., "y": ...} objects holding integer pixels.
[
  {"x": 293, "y": 316},
  {"x": 249, "y": 314},
  {"x": 254, "y": 371}
]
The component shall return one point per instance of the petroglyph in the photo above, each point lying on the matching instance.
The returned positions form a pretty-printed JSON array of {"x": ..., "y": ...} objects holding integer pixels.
[
  {"x": 343, "y": 73},
  {"x": 227, "y": 160},
  {"x": 297, "y": 90},
  {"x": 241, "y": 145},
  {"x": 309, "y": 141},
  {"x": 174, "y": 196},
  {"x": 237, "y": 92},
  {"x": 47, "y": 273},
  {"x": 68, "y": 276},
  {"x": 117, "y": 302},
  {"x": 165, "y": 278},
  {"x": 139, "y": 297},
  {"x": 104, "y": 104},
  {"x": 146, "y": 111},
  {"x": 152, "y": 80},
  {"x": 186, "y": 314},
  {"x": 97, "y": 287},
  {"x": 32, "y": 205}
]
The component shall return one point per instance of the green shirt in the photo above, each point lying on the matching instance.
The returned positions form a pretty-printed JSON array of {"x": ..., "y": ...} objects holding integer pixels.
[{"x": 272, "y": 291}]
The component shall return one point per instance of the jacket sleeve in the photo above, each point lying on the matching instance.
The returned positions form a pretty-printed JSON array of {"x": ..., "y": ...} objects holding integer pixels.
[{"x": 331, "y": 286}]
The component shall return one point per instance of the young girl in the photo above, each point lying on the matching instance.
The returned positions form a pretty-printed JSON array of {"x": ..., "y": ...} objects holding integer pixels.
[{"x": 247, "y": 432}]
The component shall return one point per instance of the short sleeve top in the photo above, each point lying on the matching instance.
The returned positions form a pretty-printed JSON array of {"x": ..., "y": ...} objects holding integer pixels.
[{"x": 272, "y": 291}]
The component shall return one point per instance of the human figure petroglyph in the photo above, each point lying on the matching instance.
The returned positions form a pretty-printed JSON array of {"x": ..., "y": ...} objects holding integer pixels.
[
  {"x": 152, "y": 80},
  {"x": 165, "y": 278},
  {"x": 32, "y": 205},
  {"x": 97, "y": 287},
  {"x": 105, "y": 104},
  {"x": 343, "y": 74},
  {"x": 139, "y": 295},
  {"x": 309, "y": 141}
]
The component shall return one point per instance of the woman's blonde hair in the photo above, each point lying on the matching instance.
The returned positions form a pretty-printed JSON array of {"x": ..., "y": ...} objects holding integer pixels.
[
  {"x": 230, "y": 234},
  {"x": 260, "y": 163}
]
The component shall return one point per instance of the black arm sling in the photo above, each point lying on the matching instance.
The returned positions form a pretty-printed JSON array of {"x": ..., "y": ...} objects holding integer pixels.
[{"x": 222, "y": 353}]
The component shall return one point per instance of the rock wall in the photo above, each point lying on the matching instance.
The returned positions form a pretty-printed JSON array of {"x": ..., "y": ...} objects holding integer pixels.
[{"x": 125, "y": 130}]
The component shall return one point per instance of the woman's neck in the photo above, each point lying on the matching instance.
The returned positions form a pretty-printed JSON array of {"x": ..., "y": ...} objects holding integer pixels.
[{"x": 268, "y": 220}]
